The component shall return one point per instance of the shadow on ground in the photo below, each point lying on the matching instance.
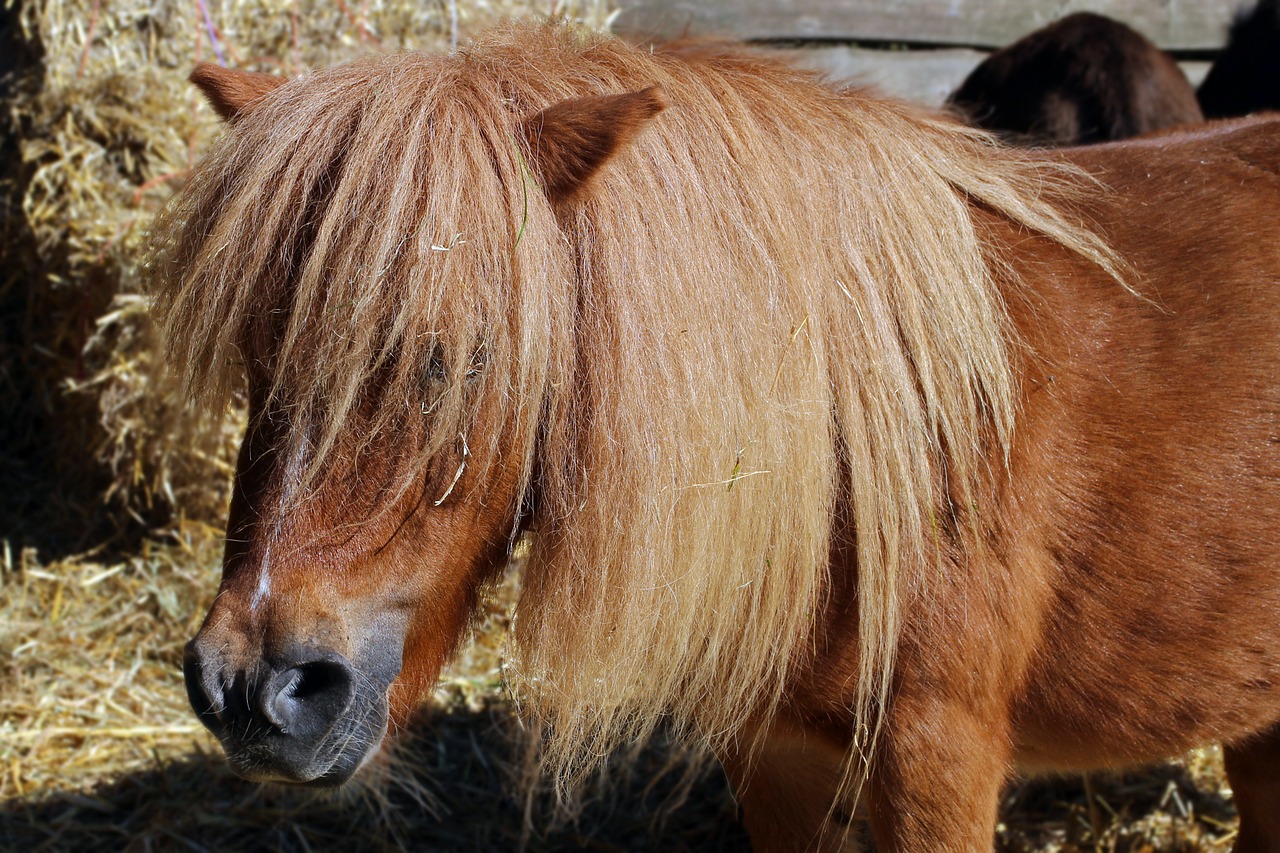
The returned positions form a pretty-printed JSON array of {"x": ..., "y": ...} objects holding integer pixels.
[{"x": 452, "y": 791}]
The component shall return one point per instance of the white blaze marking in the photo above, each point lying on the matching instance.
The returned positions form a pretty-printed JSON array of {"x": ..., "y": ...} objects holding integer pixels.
[
  {"x": 288, "y": 488},
  {"x": 264, "y": 582}
]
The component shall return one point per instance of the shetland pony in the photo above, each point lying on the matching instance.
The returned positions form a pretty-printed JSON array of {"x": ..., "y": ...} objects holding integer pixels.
[
  {"x": 1082, "y": 79},
  {"x": 1245, "y": 76},
  {"x": 881, "y": 458}
]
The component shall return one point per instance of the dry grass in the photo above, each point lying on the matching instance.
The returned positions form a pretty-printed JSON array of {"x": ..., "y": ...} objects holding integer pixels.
[
  {"x": 1180, "y": 806},
  {"x": 98, "y": 748}
]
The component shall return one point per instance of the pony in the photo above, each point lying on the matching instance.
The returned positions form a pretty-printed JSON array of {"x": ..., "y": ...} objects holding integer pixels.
[
  {"x": 1084, "y": 78},
  {"x": 882, "y": 459},
  {"x": 1245, "y": 76}
]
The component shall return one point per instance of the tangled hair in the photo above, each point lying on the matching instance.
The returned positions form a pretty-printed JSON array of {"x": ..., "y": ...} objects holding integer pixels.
[{"x": 771, "y": 311}]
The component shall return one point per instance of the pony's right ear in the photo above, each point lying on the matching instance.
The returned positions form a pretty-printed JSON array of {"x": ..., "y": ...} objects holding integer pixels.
[
  {"x": 572, "y": 139},
  {"x": 230, "y": 92}
]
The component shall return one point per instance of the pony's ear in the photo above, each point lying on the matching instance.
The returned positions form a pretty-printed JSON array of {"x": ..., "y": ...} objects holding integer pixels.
[
  {"x": 230, "y": 92},
  {"x": 571, "y": 140}
]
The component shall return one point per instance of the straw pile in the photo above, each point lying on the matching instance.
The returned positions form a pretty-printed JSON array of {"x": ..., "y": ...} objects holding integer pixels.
[{"x": 98, "y": 749}]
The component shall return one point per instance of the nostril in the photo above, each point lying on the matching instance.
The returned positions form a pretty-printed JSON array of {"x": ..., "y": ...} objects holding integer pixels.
[
  {"x": 205, "y": 699},
  {"x": 319, "y": 679},
  {"x": 307, "y": 699}
]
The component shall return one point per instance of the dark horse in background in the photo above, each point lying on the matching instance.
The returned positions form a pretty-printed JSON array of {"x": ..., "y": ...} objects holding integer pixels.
[
  {"x": 885, "y": 460},
  {"x": 1082, "y": 79},
  {"x": 1245, "y": 77}
]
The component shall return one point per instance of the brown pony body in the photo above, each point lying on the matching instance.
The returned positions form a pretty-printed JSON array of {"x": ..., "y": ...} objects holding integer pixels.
[
  {"x": 1085, "y": 78},
  {"x": 845, "y": 447}
]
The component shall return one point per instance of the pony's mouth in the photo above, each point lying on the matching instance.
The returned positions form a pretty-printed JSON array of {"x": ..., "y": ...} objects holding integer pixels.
[{"x": 275, "y": 756}]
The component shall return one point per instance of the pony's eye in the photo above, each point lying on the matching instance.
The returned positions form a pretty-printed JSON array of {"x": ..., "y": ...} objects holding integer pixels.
[
  {"x": 432, "y": 372},
  {"x": 436, "y": 375}
]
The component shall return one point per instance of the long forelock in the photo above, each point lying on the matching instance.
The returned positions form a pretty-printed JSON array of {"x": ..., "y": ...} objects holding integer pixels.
[{"x": 357, "y": 235}]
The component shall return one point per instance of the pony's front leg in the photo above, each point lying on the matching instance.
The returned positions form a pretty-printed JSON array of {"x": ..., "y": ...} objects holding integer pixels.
[
  {"x": 937, "y": 772},
  {"x": 787, "y": 787},
  {"x": 1253, "y": 768}
]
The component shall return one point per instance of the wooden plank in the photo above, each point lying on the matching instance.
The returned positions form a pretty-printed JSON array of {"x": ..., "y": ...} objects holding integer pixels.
[
  {"x": 922, "y": 76},
  {"x": 1172, "y": 24},
  {"x": 1196, "y": 71}
]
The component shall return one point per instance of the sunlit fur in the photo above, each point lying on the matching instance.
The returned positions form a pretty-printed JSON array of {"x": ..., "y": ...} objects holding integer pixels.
[{"x": 742, "y": 329}]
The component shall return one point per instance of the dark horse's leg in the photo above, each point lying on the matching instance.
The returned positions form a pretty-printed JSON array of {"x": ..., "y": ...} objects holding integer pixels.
[{"x": 1253, "y": 767}]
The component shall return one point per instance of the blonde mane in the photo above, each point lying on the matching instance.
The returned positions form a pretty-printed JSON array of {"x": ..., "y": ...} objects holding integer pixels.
[{"x": 772, "y": 310}]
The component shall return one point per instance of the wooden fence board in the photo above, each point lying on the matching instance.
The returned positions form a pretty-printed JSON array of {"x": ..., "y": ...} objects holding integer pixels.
[
  {"x": 1191, "y": 25},
  {"x": 924, "y": 76}
]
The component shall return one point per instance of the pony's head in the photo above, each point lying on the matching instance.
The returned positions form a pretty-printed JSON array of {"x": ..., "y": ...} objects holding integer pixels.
[{"x": 397, "y": 360}]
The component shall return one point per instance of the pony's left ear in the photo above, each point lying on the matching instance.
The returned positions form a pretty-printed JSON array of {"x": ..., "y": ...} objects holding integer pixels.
[
  {"x": 570, "y": 141},
  {"x": 233, "y": 93}
]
